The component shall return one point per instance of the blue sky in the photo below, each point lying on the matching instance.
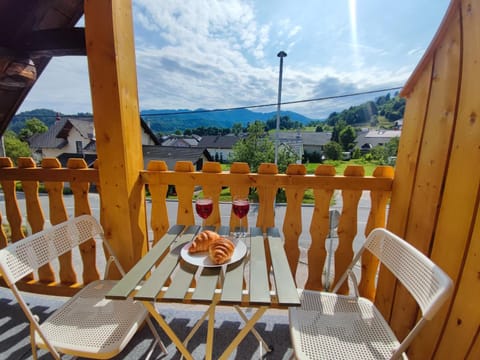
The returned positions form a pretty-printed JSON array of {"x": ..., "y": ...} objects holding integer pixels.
[{"x": 218, "y": 54}]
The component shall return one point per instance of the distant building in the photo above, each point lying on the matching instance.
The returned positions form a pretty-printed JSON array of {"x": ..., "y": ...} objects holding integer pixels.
[
  {"x": 172, "y": 154},
  {"x": 303, "y": 142},
  {"x": 74, "y": 137},
  {"x": 219, "y": 147},
  {"x": 180, "y": 140},
  {"x": 367, "y": 140}
]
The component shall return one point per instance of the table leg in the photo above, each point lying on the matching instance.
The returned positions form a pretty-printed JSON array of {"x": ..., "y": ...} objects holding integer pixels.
[
  {"x": 246, "y": 329},
  {"x": 168, "y": 330},
  {"x": 254, "y": 332},
  {"x": 210, "y": 332}
]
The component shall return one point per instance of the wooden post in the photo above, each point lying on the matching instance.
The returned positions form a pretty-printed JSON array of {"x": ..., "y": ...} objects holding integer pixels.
[{"x": 113, "y": 82}]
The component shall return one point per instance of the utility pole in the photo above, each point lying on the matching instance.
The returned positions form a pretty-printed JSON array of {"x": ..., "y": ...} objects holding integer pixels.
[{"x": 281, "y": 55}]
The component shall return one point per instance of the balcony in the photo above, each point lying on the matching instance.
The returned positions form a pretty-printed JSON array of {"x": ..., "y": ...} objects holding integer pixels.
[{"x": 433, "y": 196}]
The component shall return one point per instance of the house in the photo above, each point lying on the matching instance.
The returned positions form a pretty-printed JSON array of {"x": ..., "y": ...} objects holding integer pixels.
[
  {"x": 172, "y": 154},
  {"x": 181, "y": 141},
  {"x": 219, "y": 147},
  {"x": 74, "y": 136},
  {"x": 304, "y": 142},
  {"x": 368, "y": 139}
]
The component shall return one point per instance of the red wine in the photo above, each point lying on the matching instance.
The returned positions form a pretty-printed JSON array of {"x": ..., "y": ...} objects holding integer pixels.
[
  {"x": 204, "y": 207},
  {"x": 240, "y": 208}
]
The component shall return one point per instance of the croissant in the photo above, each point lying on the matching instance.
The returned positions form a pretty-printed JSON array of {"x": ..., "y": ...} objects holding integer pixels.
[
  {"x": 221, "y": 250},
  {"x": 202, "y": 241}
]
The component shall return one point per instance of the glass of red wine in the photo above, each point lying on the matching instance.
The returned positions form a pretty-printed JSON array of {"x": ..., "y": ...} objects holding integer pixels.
[
  {"x": 240, "y": 207},
  {"x": 204, "y": 207}
]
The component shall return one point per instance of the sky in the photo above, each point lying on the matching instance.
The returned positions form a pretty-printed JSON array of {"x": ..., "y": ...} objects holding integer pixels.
[{"x": 213, "y": 54}]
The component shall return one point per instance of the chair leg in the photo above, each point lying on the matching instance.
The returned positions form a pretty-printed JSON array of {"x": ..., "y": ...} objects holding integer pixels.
[
  {"x": 157, "y": 338},
  {"x": 32, "y": 342}
]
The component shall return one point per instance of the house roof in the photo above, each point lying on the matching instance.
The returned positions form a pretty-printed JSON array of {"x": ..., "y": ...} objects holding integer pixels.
[
  {"x": 376, "y": 137},
  {"x": 218, "y": 141},
  {"x": 180, "y": 141},
  {"x": 309, "y": 138},
  {"x": 56, "y": 136},
  {"x": 172, "y": 154},
  {"x": 31, "y": 33}
]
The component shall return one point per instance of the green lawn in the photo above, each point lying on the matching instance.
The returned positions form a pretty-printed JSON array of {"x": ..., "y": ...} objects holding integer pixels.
[
  {"x": 341, "y": 165},
  {"x": 308, "y": 197}
]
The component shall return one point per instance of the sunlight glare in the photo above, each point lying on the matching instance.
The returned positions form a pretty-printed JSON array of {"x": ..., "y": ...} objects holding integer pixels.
[{"x": 352, "y": 6}]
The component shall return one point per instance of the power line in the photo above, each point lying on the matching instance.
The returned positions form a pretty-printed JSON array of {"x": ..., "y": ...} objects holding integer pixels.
[
  {"x": 274, "y": 104},
  {"x": 238, "y": 107}
]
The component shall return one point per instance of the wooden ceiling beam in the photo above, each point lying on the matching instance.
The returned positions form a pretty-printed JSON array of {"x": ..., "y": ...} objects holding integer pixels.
[
  {"x": 47, "y": 43},
  {"x": 55, "y": 42}
]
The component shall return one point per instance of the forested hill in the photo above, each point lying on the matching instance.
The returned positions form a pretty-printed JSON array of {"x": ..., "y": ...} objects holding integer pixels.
[
  {"x": 168, "y": 121},
  {"x": 383, "y": 110}
]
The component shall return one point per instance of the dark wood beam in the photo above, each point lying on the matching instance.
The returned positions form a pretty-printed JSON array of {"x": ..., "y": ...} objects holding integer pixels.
[{"x": 54, "y": 42}]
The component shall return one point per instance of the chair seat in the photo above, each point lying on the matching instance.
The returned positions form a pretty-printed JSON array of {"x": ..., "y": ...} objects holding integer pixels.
[
  {"x": 90, "y": 325},
  {"x": 331, "y": 326}
]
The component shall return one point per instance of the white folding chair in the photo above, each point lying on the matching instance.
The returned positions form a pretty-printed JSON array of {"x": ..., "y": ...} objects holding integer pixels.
[
  {"x": 332, "y": 326},
  {"x": 87, "y": 325}
]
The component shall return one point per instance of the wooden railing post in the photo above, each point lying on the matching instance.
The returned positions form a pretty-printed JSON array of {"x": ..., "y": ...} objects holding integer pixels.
[
  {"x": 319, "y": 230},
  {"x": 292, "y": 225},
  {"x": 238, "y": 190},
  {"x": 82, "y": 207},
  {"x": 159, "y": 214},
  {"x": 35, "y": 216},
  {"x": 58, "y": 214},
  {"x": 213, "y": 188},
  {"x": 267, "y": 191},
  {"x": 185, "y": 190},
  {"x": 347, "y": 227},
  {"x": 377, "y": 218},
  {"x": 14, "y": 215}
]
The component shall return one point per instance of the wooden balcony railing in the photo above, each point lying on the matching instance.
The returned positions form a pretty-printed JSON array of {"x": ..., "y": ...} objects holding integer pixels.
[{"x": 211, "y": 179}]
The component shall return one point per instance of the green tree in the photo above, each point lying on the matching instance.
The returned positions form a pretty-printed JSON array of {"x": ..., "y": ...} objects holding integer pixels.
[
  {"x": 237, "y": 128},
  {"x": 347, "y": 137},
  {"x": 255, "y": 148},
  {"x": 14, "y": 147},
  {"x": 333, "y": 150},
  {"x": 32, "y": 126}
]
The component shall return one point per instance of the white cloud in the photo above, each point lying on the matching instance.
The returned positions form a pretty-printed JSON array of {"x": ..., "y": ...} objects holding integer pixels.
[{"x": 217, "y": 54}]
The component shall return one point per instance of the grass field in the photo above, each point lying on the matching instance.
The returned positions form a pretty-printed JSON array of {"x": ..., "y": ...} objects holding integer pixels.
[{"x": 308, "y": 198}]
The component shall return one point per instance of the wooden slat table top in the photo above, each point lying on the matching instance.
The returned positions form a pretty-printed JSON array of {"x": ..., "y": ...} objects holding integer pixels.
[
  {"x": 287, "y": 293},
  {"x": 209, "y": 280},
  {"x": 125, "y": 287},
  {"x": 151, "y": 288},
  {"x": 259, "y": 287}
]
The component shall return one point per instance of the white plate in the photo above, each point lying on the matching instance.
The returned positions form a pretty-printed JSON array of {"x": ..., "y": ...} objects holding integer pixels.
[{"x": 202, "y": 258}]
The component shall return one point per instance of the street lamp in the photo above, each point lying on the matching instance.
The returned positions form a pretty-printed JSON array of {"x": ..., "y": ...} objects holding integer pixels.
[{"x": 281, "y": 55}]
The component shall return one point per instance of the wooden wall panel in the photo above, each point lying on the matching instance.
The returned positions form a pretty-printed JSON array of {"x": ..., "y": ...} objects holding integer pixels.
[
  {"x": 453, "y": 237},
  {"x": 463, "y": 324},
  {"x": 432, "y": 164},
  {"x": 405, "y": 172}
]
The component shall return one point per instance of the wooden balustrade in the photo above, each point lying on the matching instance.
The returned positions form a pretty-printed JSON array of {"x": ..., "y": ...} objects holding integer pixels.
[{"x": 240, "y": 181}]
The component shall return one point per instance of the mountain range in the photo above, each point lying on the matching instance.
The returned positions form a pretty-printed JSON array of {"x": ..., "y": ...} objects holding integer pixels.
[{"x": 168, "y": 121}]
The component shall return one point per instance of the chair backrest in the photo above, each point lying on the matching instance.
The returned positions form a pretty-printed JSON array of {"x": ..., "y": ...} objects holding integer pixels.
[
  {"x": 25, "y": 256},
  {"x": 426, "y": 282}
]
